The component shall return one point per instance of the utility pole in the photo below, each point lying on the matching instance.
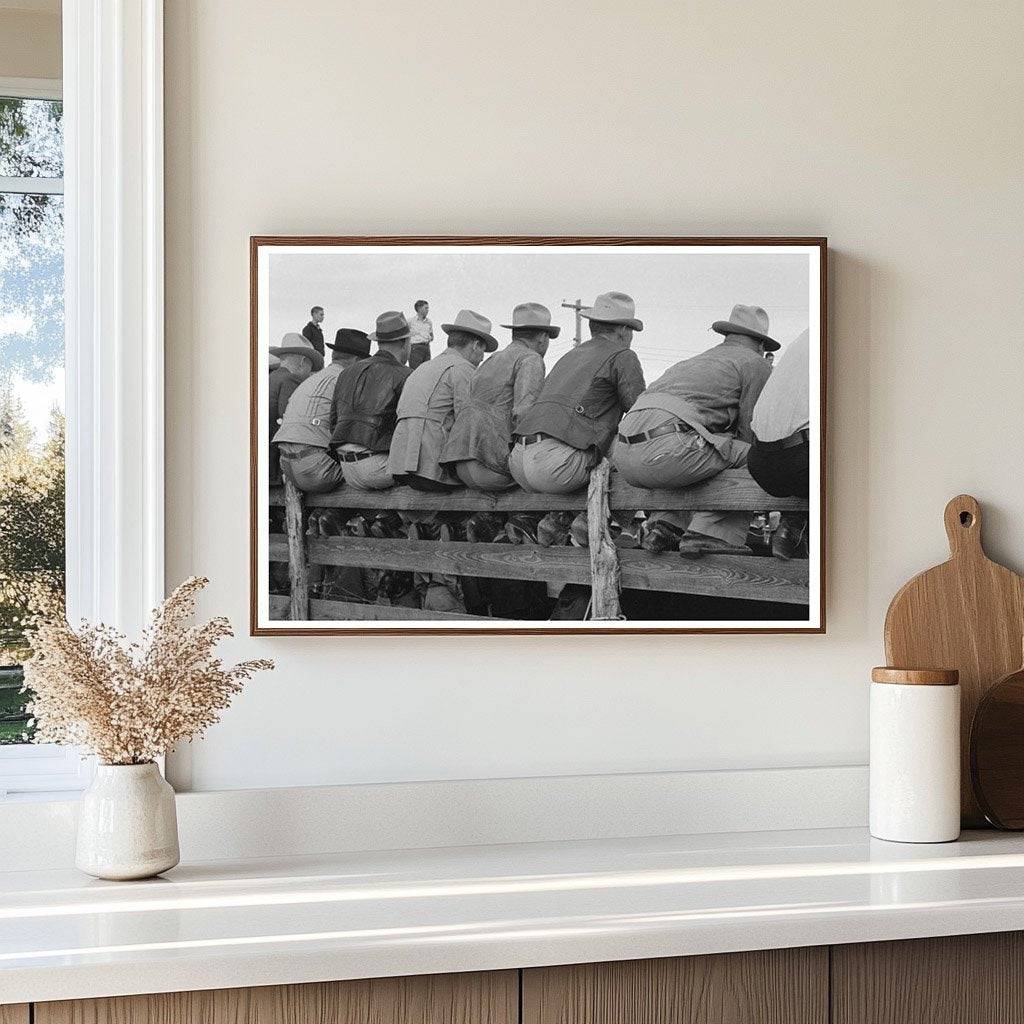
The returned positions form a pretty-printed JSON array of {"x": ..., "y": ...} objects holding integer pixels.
[{"x": 577, "y": 305}]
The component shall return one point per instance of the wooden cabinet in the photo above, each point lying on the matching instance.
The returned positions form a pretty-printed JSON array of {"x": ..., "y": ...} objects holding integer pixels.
[
  {"x": 777, "y": 986},
  {"x": 962, "y": 979},
  {"x": 971, "y": 979},
  {"x": 491, "y": 998}
]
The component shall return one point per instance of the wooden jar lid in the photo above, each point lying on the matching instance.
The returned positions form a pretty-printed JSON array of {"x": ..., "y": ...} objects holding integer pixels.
[{"x": 916, "y": 676}]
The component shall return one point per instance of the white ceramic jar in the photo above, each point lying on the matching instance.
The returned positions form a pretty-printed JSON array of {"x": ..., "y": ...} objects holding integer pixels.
[
  {"x": 915, "y": 755},
  {"x": 127, "y": 824}
]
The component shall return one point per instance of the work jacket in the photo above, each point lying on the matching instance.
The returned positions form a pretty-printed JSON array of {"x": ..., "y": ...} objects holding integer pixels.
[
  {"x": 314, "y": 335},
  {"x": 366, "y": 401},
  {"x": 434, "y": 394},
  {"x": 585, "y": 395},
  {"x": 307, "y": 419},
  {"x": 504, "y": 387}
]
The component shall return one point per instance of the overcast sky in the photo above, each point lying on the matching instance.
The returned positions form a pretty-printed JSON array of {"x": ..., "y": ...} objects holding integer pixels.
[{"x": 678, "y": 294}]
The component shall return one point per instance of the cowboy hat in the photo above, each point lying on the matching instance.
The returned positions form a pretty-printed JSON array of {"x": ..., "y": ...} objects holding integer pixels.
[
  {"x": 613, "y": 308},
  {"x": 533, "y": 316},
  {"x": 355, "y": 343},
  {"x": 473, "y": 323},
  {"x": 297, "y": 345},
  {"x": 750, "y": 321},
  {"x": 391, "y": 326}
]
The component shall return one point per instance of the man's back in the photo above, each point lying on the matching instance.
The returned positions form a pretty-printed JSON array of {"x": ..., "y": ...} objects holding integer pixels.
[
  {"x": 307, "y": 416},
  {"x": 366, "y": 402}
]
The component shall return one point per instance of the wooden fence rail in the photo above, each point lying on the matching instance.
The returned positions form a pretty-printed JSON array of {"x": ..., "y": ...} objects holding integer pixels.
[{"x": 602, "y": 566}]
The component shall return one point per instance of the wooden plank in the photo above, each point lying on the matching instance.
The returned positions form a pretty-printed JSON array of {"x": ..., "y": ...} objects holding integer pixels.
[
  {"x": 960, "y": 979},
  {"x": 280, "y": 607},
  {"x": 732, "y": 490},
  {"x": 14, "y": 1013},
  {"x": 777, "y": 986},
  {"x": 339, "y": 611},
  {"x": 604, "y": 563},
  {"x": 298, "y": 566},
  {"x": 752, "y": 579},
  {"x": 478, "y": 998}
]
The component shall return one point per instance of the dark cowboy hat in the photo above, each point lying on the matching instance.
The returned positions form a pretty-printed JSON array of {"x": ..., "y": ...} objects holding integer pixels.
[
  {"x": 751, "y": 321},
  {"x": 348, "y": 339},
  {"x": 533, "y": 316},
  {"x": 473, "y": 323},
  {"x": 297, "y": 345},
  {"x": 391, "y": 326}
]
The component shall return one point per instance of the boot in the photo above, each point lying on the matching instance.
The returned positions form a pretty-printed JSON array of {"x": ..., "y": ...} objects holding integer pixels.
[
  {"x": 662, "y": 536},
  {"x": 386, "y": 524},
  {"x": 483, "y": 528},
  {"x": 553, "y": 529},
  {"x": 521, "y": 528},
  {"x": 579, "y": 531}
]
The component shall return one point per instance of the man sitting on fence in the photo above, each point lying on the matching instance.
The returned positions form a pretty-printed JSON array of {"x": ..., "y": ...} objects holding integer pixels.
[
  {"x": 693, "y": 422},
  {"x": 779, "y": 458},
  {"x": 304, "y": 436},
  {"x": 571, "y": 424},
  {"x": 501, "y": 392},
  {"x": 365, "y": 406},
  {"x": 297, "y": 360}
]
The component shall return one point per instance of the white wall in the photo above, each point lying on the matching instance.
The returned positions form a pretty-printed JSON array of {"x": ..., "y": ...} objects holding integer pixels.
[{"x": 895, "y": 129}]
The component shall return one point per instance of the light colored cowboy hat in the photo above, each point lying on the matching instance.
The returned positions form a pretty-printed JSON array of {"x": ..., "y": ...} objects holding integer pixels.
[
  {"x": 297, "y": 345},
  {"x": 534, "y": 317},
  {"x": 473, "y": 323},
  {"x": 613, "y": 308},
  {"x": 391, "y": 326},
  {"x": 751, "y": 321}
]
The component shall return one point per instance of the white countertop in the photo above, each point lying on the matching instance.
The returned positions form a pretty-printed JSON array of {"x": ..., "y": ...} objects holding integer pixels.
[{"x": 261, "y": 922}]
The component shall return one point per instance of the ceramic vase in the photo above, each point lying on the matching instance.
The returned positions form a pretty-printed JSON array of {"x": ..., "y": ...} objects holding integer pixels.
[{"x": 127, "y": 825}]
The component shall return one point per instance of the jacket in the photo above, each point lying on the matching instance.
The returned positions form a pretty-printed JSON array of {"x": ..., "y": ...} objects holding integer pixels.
[
  {"x": 715, "y": 392},
  {"x": 314, "y": 335},
  {"x": 585, "y": 395},
  {"x": 503, "y": 388},
  {"x": 435, "y": 393},
  {"x": 307, "y": 419},
  {"x": 282, "y": 386},
  {"x": 365, "y": 402}
]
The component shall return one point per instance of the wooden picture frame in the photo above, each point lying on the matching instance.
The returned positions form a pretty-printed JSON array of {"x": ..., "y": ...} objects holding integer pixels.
[{"x": 567, "y": 561}]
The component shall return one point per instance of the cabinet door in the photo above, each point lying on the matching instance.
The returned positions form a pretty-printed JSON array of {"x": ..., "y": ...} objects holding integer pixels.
[
  {"x": 482, "y": 998},
  {"x": 778, "y": 986},
  {"x": 962, "y": 979},
  {"x": 14, "y": 1013}
]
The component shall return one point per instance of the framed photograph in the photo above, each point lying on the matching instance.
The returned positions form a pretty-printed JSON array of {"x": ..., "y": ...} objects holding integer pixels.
[{"x": 537, "y": 435}]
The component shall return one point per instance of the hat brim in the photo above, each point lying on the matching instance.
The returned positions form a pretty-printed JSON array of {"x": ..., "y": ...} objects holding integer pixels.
[
  {"x": 551, "y": 330},
  {"x": 728, "y": 327},
  {"x": 391, "y": 337},
  {"x": 588, "y": 313},
  {"x": 490, "y": 342},
  {"x": 294, "y": 350}
]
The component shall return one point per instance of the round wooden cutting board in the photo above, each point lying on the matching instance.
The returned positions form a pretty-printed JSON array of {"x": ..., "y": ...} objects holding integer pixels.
[{"x": 967, "y": 614}]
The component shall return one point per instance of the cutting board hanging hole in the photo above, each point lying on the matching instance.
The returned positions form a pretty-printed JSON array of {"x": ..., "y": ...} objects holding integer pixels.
[{"x": 963, "y": 525}]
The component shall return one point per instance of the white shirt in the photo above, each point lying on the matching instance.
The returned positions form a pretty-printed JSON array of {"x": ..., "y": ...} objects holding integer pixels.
[
  {"x": 783, "y": 407},
  {"x": 422, "y": 329}
]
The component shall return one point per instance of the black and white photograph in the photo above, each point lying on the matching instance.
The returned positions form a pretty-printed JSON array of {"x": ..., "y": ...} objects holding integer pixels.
[{"x": 537, "y": 435}]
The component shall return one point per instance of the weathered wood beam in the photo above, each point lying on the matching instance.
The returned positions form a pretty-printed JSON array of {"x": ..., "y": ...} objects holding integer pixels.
[
  {"x": 298, "y": 566},
  {"x": 733, "y": 490},
  {"x": 751, "y": 579},
  {"x": 604, "y": 562},
  {"x": 338, "y": 611}
]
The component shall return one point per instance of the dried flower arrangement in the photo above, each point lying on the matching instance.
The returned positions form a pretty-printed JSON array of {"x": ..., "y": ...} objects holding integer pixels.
[{"x": 129, "y": 703}]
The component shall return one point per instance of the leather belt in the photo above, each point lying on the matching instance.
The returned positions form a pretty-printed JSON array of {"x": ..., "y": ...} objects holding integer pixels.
[
  {"x": 353, "y": 456},
  {"x": 532, "y": 438},
  {"x": 649, "y": 435},
  {"x": 797, "y": 438},
  {"x": 298, "y": 450}
]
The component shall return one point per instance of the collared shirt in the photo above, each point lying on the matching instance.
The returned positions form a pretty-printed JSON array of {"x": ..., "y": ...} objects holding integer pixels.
[
  {"x": 422, "y": 329},
  {"x": 721, "y": 384},
  {"x": 784, "y": 405},
  {"x": 307, "y": 416},
  {"x": 585, "y": 395}
]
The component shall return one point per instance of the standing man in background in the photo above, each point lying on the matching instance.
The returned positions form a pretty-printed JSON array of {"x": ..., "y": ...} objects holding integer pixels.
[
  {"x": 422, "y": 334},
  {"x": 312, "y": 332}
]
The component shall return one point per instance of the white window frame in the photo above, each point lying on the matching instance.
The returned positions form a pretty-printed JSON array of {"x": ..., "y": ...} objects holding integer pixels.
[{"x": 114, "y": 333}]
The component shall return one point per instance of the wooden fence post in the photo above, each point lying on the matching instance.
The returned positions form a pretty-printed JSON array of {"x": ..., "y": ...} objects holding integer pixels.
[
  {"x": 298, "y": 566},
  {"x": 604, "y": 557}
]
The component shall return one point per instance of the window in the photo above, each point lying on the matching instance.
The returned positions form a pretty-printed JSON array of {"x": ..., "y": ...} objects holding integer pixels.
[{"x": 32, "y": 532}]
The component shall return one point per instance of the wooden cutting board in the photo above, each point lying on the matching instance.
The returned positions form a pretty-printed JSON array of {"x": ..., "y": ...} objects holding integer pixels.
[{"x": 967, "y": 614}]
